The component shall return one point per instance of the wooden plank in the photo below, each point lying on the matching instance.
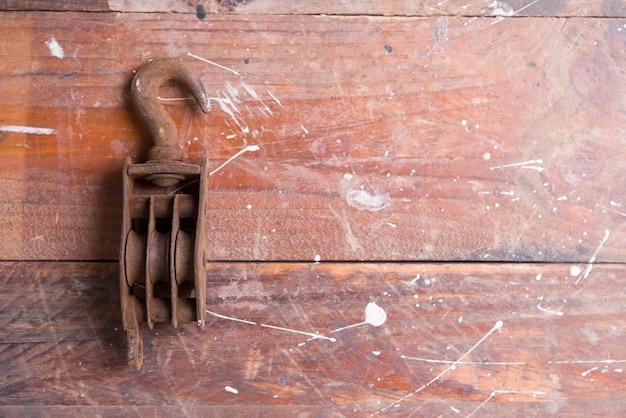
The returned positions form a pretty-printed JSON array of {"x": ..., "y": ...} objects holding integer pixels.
[
  {"x": 57, "y": 5},
  {"x": 512, "y": 339},
  {"x": 380, "y": 138},
  {"x": 606, "y": 8}
]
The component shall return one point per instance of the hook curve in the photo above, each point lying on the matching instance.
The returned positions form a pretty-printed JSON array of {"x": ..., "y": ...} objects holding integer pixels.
[{"x": 145, "y": 97}]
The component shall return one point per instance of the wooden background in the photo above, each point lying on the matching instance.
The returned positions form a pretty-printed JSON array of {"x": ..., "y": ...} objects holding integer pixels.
[{"x": 457, "y": 165}]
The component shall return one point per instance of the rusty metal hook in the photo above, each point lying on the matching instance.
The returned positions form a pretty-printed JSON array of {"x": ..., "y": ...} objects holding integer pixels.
[
  {"x": 162, "y": 252},
  {"x": 144, "y": 93}
]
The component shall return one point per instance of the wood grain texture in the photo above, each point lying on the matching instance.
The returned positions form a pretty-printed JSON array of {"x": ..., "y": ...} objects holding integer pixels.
[
  {"x": 380, "y": 138},
  {"x": 557, "y": 351},
  {"x": 547, "y": 8}
]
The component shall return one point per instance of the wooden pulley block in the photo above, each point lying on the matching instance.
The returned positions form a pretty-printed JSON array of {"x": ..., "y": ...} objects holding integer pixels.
[{"x": 162, "y": 253}]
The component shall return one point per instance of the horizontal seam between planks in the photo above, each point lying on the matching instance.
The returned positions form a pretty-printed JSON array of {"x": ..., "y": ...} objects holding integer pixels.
[{"x": 434, "y": 15}]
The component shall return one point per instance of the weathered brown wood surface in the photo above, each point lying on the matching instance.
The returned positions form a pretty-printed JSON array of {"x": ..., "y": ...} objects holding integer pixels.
[
  {"x": 518, "y": 340},
  {"x": 456, "y": 167},
  {"x": 604, "y": 8},
  {"x": 465, "y": 139}
]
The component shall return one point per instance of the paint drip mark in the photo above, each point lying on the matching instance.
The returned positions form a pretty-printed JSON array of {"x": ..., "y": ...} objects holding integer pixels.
[{"x": 452, "y": 366}]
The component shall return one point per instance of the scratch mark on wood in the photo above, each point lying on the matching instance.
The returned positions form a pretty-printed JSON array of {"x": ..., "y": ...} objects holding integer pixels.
[
  {"x": 589, "y": 267},
  {"x": 510, "y": 363},
  {"x": 611, "y": 210},
  {"x": 213, "y": 63},
  {"x": 452, "y": 366},
  {"x": 491, "y": 395},
  {"x": 504, "y": 391},
  {"x": 523, "y": 164},
  {"x": 310, "y": 334}
]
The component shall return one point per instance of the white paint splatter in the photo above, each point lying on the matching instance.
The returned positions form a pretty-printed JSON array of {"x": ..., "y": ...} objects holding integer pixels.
[
  {"x": 27, "y": 130},
  {"x": 487, "y": 156},
  {"x": 317, "y": 258},
  {"x": 231, "y": 389},
  {"x": 228, "y": 107},
  {"x": 249, "y": 148},
  {"x": 362, "y": 200},
  {"x": 359, "y": 198},
  {"x": 501, "y": 9},
  {"x": 230, "y": 318},
  {"x": 542, "y": 309},
  {"x": 250, "y": 90},
  {"x": 589, "y": 267},
  {"x": 586, "y": 372},
  {"x": 497, "y": 326},
  {"x": 55, "y": 48},
  {"x": 453, "y": 409},
  {"x": 374, "y": 316},
  {"x": 574, "y": 271},
  {"x": 275, "y": 98}
]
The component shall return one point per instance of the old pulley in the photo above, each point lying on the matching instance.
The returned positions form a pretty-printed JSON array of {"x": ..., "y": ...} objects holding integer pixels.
[{"x": 162, "y": 265}]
